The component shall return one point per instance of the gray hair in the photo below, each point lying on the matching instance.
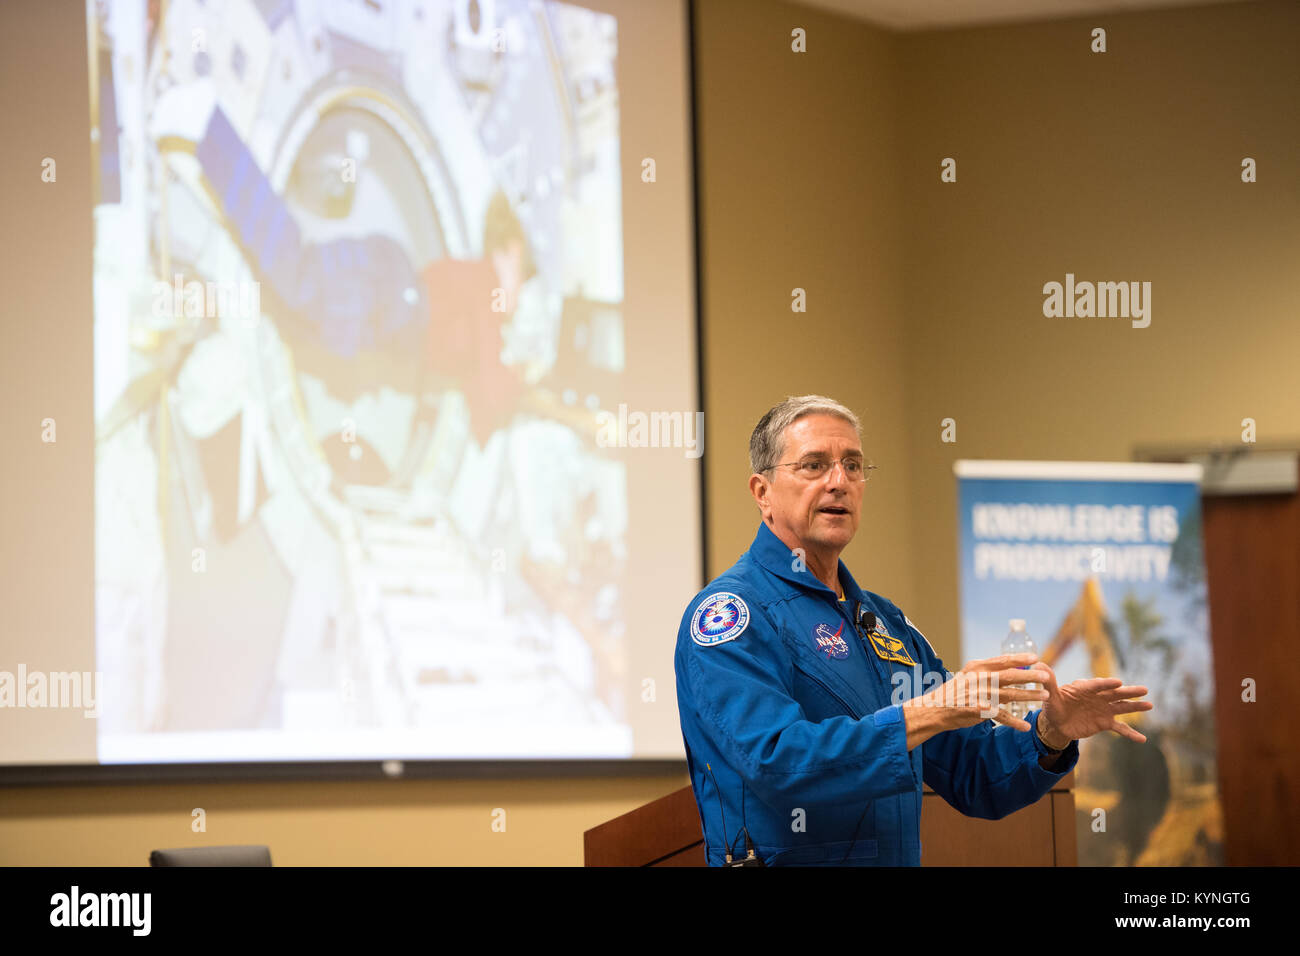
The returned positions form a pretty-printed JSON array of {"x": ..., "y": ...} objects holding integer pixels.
[{"x": 767, "y": 443}]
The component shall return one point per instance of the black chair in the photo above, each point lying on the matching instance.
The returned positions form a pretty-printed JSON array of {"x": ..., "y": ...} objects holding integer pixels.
[{"x": 212, "y": 856}]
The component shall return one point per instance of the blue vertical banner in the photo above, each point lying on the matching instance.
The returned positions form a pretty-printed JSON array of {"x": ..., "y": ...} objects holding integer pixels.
[{"x": 1104, "y": 562}]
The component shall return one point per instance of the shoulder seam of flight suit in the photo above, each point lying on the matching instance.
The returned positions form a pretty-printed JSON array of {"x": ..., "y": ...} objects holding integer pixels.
[
  {"x": 743, "y": 579},
  {"x": 907, "y": 625}
]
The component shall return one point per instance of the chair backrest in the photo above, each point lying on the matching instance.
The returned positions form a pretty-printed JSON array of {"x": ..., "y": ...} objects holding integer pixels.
[{"x": 212, "y": 856}]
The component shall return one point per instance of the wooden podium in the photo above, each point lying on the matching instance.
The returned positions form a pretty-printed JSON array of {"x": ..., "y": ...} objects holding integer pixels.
[{"x": 666, "y": 832}]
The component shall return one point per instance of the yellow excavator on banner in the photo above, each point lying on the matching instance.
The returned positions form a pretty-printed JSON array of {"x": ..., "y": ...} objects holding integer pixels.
[{"x": 1086, "y": 622}]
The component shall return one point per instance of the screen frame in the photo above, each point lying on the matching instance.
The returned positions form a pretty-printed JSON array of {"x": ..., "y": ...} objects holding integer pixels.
[{"x": 56, "y": 774}]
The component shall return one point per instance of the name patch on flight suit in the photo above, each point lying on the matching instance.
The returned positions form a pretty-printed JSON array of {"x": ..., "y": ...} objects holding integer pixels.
[
  {"x": 720, "y": 617},
  {"x": 831, "y": 642},
  {"x": 888, "y": 647}
]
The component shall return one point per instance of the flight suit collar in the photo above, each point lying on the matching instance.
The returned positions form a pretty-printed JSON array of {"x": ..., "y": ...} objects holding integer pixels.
[{"x": 772, "y": 554}]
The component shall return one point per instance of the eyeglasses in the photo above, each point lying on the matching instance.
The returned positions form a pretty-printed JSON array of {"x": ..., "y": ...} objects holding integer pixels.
[{"x": 810, "y": 469}]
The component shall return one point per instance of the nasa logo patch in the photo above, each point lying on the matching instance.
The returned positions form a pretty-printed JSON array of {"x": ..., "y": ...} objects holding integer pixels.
[
  {"x": 832, "y": 643},
  {"x": 721, "y": 617}
]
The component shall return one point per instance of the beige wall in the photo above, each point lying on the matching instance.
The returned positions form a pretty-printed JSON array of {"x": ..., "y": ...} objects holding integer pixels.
[
  {"x": 820, "y": 171},
  {"x": 1116, "y": 166},
  {"x": 799, "y": 164},
  {"x": 397, "y": 823}
]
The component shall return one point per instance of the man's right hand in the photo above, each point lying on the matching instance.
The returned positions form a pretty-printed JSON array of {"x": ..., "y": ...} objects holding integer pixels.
[{"x": 980, "y": 690}]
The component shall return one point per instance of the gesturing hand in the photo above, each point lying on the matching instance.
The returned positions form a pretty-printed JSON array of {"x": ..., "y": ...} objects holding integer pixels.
[
  {"x": 981, "y": 689},
  {"x": 1082, "y": 708}
]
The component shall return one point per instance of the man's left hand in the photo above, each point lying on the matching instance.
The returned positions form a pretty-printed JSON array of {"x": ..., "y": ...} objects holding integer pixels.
[{"x": 1085, "y": 707}]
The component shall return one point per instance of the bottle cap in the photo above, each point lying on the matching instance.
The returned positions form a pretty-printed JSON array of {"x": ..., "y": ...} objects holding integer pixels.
[{"x": 1017, "y": 624}]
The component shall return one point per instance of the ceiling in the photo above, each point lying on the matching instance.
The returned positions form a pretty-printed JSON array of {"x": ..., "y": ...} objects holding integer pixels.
[{"x": 939, "y": 14}]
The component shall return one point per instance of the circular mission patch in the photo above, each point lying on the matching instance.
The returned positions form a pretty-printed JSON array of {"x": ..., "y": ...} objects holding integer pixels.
[{"x": 721, "y": 617}]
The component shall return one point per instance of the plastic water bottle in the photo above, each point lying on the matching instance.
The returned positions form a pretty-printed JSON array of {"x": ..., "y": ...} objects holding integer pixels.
[{"x": 1018, "y": 641}]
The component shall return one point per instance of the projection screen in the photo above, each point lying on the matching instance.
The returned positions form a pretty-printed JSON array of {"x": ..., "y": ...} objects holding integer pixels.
[{"x": 393, "y": 413}]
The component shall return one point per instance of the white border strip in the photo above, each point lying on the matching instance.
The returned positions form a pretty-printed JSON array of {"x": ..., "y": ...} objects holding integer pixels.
[
  {"x": 1085, "y": 470},
  {"x": 543, "y": 741}
]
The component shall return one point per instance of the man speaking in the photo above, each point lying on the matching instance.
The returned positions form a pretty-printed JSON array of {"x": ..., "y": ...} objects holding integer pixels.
[{"x": 800, "y": 745}]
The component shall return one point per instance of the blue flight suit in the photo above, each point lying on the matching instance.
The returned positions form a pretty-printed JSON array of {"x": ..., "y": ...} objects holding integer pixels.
[
  {"x": 794, "y": 728},
  {"x": 354, "y": 293}
]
